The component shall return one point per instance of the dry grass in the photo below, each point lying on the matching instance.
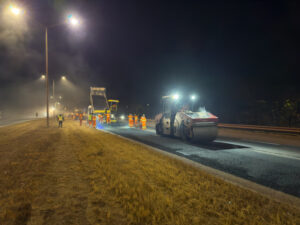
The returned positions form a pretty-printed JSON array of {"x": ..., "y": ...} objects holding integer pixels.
[{"x": 91, "y": 177}]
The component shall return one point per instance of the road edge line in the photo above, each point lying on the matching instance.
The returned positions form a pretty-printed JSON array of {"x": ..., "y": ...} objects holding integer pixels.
[{"x": 241, "y": 182}]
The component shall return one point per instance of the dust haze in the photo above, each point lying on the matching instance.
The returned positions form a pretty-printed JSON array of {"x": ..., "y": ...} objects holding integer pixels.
[{"x": 22, "y": 62}]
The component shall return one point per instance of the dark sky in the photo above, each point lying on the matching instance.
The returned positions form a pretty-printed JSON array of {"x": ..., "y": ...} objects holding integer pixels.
[{"x": 227, "y": 52}]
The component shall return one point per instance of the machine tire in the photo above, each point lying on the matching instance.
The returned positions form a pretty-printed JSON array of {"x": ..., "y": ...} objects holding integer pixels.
[
  {"x": 183, "y": 133},
  {"x": 158, "y": 129}
]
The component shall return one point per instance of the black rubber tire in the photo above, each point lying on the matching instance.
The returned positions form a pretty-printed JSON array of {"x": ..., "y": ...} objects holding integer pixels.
[
  {"x": 158, "y": 129},
  {"x": 183, "y": 135}
]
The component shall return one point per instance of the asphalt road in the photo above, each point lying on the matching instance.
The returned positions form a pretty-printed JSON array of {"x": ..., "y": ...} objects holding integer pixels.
[
  {"x": 12, "y": 121},
  {"x": 272, "y": 165}
]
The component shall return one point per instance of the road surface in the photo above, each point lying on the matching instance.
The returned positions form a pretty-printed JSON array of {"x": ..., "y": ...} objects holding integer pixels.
[
  {"x": 272, "y": 165},
  {"x": 13, "y": 121}
]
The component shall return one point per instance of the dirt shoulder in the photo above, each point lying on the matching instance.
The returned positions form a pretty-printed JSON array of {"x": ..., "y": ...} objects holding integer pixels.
[{"x": 79, "y": 175}]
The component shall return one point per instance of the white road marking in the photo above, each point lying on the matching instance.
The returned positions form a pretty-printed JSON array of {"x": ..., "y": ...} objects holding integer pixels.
[
  {"x": 277, "y": 154},
  {"x": 262, "y": 142}
]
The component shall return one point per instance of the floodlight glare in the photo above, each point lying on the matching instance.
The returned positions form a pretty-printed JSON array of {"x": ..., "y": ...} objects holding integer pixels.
[
  {"x": 15, "y": 10},
  {"x": 43, "y": 77},
  {"x": 193, "y": 97},
  {"x": 73, "y": 20},
  {"x": 63, "y": 78},
  {"x": 175, "y": 96}
]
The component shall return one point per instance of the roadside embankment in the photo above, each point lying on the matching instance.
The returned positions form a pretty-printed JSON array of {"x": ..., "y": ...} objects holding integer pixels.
[{"x": 80, "y": 175}]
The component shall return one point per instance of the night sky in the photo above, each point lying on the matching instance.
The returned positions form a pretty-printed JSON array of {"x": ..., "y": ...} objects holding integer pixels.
[{"x": 227, "y": 53}]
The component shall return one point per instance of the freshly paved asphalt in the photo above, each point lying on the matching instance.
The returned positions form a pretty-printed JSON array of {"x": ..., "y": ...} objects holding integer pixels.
[{"x": 269, "y": 164}]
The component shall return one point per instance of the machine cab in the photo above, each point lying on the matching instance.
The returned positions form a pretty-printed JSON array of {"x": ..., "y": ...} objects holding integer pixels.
[{"x": 170, "y": 107}]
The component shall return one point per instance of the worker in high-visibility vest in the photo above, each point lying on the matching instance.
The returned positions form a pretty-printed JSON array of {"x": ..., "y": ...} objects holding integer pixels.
[
  {"x": 100, "y": 118},
  {"x": 130, "y": 120},
  {"x": 144, "y": 122},
  {"x": 60, "y": 119},
  {"x": 94, "y": 121},
  {"x": 80, "y": 118},
  {"x": 136, "y": 120},
  {"x": 108, "y": 118},
  {"x": 90, "y": 118}
]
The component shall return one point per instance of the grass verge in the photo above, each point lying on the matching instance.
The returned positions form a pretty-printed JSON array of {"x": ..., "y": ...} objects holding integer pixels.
[
  {"x": 126, "y": 183},
  {"x": 146, "y": 187}
]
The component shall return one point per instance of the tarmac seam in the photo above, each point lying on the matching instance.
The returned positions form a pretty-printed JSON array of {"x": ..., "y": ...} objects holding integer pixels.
[{"x": 249, "y": 185}]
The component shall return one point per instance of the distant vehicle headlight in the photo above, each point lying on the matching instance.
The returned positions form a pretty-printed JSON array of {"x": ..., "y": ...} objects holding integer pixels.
[
  {"x": 122, "y": 117},
  {"x": 112, "y": 116}
]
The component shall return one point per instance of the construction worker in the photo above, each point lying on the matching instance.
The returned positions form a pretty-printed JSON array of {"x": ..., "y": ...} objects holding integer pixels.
[
  {"x": 90, "y": 119},
  {"x": 80, "y": 118},
  {"x": 100, "y": 118},
  {"x": 144, "y": 121},
  {"x": 130, "y": 120},
  {"x": 108, "y": 118},
  {"x": 136, "y": 120},
  {"x": 94, "y": 121},
  {"x": 60, "y": 119}
]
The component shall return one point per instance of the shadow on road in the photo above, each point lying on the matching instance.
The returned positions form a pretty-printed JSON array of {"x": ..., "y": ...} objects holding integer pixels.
[{"x": 218, "y": 146}]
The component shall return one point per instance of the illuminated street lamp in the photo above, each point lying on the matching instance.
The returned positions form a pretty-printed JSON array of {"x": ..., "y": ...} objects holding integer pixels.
[
  {"x": 74, "y": 22},
  {"x": 193, "y": 98},
  {"x": 43, "y": 77},
  {"x": 14, "y": 10},
  {"x": 53, "y": 85},
  {"x": 175, "y": 96}
]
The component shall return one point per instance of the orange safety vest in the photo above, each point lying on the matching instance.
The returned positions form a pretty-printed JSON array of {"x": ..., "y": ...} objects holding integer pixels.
[
  {"x": 80, "y": 116},
  {"x": 107, "y": 118},
  {"x": 130, "y": 120},
  {"x": 136, "y": 120},
  {"x": 144, "y": 121},
  {"x": 94, "y": 121}
]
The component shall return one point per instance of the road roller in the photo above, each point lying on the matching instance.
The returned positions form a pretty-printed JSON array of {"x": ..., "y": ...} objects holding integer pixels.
[{"x": 179, "y": 120}]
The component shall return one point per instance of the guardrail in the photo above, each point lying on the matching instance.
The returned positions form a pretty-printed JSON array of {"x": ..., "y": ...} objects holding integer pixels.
[{"x": 288, "y": 130}]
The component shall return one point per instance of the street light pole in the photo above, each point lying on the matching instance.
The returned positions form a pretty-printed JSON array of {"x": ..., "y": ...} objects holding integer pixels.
[
  {"x": 47, "y": 78},
  {"x": 74, "y": 22},
  {"x": 53, "y": 87}
]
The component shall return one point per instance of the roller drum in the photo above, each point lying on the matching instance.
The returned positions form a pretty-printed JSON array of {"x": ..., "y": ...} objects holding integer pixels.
[{"x": 204, "y": 133}]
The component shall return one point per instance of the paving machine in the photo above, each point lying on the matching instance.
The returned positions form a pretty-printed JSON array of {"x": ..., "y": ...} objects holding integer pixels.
[
  {"x": 98, "y": 102},
  {"x": 179, "y": 121},
  {"x": 113, "y": 107}
]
